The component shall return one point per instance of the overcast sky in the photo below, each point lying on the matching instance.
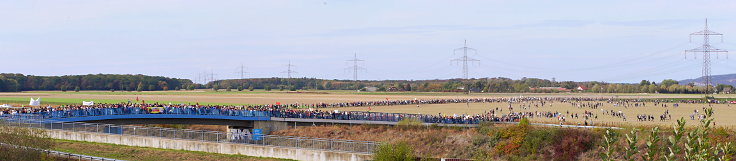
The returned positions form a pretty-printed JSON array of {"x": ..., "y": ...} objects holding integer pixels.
[{"x": 613, "y": 41}]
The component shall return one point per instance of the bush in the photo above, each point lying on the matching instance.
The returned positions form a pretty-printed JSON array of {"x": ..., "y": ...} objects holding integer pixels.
[
  {"x": 399, "y": 151},
  {"x": 537, "y": 139},
  {"x": 485, "y": 128},
  {"x": 514, "y": 137},
  {"x": 409, "y": 122},
  {"x": 570, "y": 143}
]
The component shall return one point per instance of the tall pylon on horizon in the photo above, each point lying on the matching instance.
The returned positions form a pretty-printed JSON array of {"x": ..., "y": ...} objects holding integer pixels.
[
  {"x": 706, "y": 49},
  {"x": 355, "y": 66},
  {"x": 289, "y": 71},
  {"x": 465, "y": 59}
]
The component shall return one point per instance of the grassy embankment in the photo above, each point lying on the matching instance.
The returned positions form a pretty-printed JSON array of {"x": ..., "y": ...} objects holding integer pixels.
[{"x": 517, "y": 142}]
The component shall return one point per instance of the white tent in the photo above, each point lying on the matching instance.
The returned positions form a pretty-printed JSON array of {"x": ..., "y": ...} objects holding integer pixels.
[
  {"x": 36, "y": 102},
  {"x": 90, "y": 103}
]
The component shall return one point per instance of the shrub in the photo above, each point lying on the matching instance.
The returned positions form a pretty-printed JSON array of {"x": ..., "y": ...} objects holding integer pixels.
[
  {"x": 609, "y": 140},
  {"x": 570, "y": 143},
  {"x": 485, "y": 128},
  {"x": 514, "y": 136},
  {"x": 537, "y": 139},
  {"x": 399, "y": 151},
  {"x": 409, "y": 122}
]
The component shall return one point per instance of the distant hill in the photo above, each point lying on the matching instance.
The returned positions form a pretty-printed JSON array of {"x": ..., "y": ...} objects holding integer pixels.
[{"x": 729, "y": 79}]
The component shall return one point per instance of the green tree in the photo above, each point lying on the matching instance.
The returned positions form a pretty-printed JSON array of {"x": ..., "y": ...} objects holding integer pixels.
[
  {"x": 76, "y": 89},
  {"x": 240, "y": 88},
  {"x": 140, "y": 87},
  {"x": 668, "y": 82},
  {"x": 215, "y": 88},
  {"x": 267, "y": 88},
  {"x": 250, "y": 88},
  {"x": 228, "y": 89},
  {"x": 292, "y": 88},
  {"x": 63, "y": 88},
  {"x": 190, "y": 87}
]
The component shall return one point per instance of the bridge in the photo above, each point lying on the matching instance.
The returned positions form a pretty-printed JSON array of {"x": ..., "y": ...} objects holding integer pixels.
[{"x": 235, "y": 119}]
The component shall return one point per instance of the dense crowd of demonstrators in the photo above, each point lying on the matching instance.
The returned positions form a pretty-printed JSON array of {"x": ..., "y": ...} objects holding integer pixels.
[{"x": 312, "y": 111}]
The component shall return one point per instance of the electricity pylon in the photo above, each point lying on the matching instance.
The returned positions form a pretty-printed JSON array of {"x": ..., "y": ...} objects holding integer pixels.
[
  {"x": 465, "y": 59},
  {"x": 706, "y": 49}
]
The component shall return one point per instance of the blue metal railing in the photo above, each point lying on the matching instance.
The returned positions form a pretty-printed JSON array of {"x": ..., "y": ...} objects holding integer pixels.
[
  {"x": 135, "y": 110},
  {"x": 346, "y": 115}
]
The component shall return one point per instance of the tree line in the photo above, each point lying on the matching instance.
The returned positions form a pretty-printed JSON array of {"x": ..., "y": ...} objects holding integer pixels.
[
  {"x": 484, "y": 85},
  {"x": 19, "y": 82},
  {"x": 114, "y": 82}
]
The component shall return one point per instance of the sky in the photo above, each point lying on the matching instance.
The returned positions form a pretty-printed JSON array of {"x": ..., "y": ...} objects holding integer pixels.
[{"x": 621, "y": 41}]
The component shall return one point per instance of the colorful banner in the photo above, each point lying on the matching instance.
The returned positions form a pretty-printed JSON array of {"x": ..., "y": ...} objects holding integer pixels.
[{"x": 155, "y": 110}]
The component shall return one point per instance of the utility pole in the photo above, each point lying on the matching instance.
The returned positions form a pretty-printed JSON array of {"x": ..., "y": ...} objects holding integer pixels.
[
  {"x": 465, "y": 59},
  {"x": 355, "y": 67},
  {"x": 706, "y": 49}
]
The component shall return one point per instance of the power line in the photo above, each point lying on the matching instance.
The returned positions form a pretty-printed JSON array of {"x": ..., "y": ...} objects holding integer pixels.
[
  {"x": 706, "y": 49},
  {"x": 355, "y": 67},
  {"x": 465, "y": 59}
]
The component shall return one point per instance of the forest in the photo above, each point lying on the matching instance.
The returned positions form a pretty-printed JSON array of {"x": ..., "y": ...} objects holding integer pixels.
[
  {"x": 20, "y": 82},
  {"x": 115, "y": 82}
]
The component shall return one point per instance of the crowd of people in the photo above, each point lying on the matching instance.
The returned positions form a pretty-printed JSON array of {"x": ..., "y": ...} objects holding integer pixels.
[{"x": 313, "y": 111}]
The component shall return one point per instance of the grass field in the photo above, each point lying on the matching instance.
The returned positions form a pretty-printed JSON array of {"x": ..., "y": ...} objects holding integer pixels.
[
  {"x": 723, "y": 112},
  {"x": 146, "y": 154},
  {"x": 270, "y": 97}
]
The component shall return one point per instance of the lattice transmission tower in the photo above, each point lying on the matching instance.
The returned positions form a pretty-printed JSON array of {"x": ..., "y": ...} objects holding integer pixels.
[
  {"x": 288, "y": 70},
  {"x": 355, "y": 66},
  {"x": 706, "y": 49},
  {"x": 465, "y": 59}
]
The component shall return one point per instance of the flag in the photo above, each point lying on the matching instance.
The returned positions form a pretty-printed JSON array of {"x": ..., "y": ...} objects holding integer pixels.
[
  {"x": 278, "y": 103},
  {"x": 369, "y": 108},
  {"x": 386, "y": 98},
  {"x": 136, "y": 98}
]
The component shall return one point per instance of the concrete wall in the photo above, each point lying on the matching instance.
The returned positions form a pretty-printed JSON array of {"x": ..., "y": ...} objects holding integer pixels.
[
  {"x": 223, "y": 148},
  {"x": 269, "y": 126}
]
